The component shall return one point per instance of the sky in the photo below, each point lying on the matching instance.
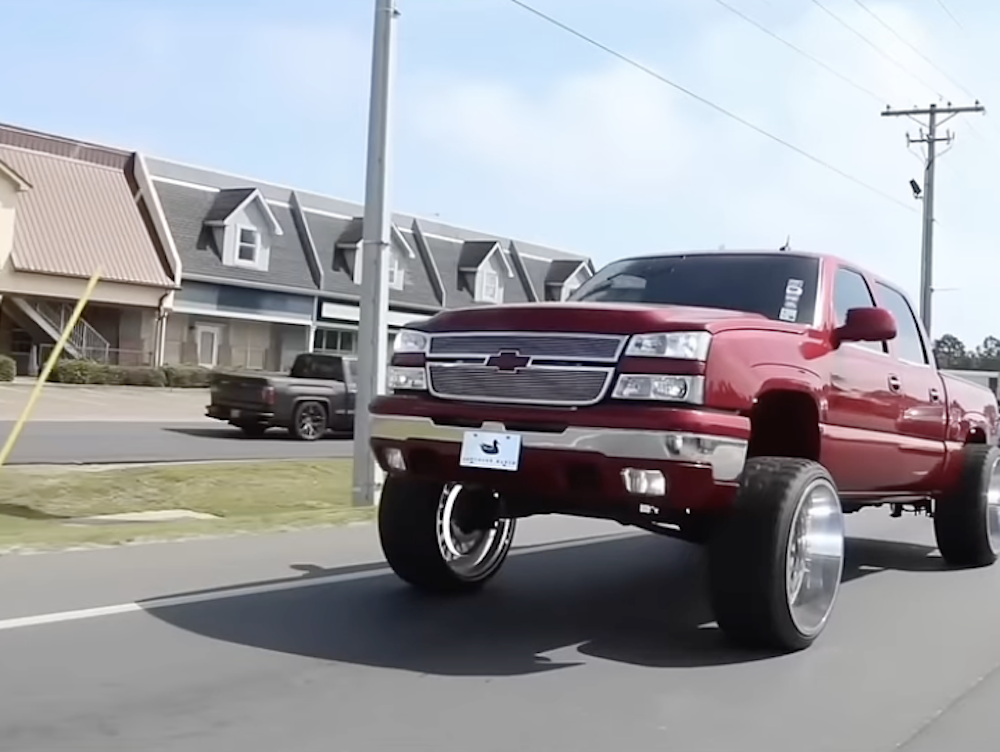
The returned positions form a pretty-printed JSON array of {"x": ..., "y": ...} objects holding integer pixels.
[{"x": 504, "y": 123}]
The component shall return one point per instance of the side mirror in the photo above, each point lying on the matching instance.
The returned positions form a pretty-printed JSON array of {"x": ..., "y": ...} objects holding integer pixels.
[{"x": 866, "y": 325}]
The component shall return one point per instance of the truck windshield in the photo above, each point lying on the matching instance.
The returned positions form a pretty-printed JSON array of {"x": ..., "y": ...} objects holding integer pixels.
[{"x": 779, "y": 286}]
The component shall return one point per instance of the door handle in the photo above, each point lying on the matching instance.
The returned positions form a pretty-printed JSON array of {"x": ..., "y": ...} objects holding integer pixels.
[
  {"x": 894, "y": 383},
  {"x": 935, "y": 395}
]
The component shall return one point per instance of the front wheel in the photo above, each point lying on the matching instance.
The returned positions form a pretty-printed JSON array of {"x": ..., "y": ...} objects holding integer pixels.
[
  {"x": 443, "y": 538},
  {"x": 775, "y": 563}
]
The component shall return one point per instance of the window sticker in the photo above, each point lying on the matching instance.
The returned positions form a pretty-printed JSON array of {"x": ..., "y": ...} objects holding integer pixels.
[
  {"x": 789, "y": 314},
  {"x": 793, "y": 291}
]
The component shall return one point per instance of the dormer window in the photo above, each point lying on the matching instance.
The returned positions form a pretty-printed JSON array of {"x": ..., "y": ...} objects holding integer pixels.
[
  {"x": 242, "y": 228},
  {"x": 491, "y": 291},
  {"x": 564, "y": 277},
  {"x": 248, "y": 245},
  {"x": 483, "y": 265},
  {"x": 396, "y": 270}
]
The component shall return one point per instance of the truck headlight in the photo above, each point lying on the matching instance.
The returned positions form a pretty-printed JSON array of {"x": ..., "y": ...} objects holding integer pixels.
[
  {"x": 680, "y": 345},
  {"x": 660, "y": 388},
  {"x": 410, "y": 341},
  {"x": 407, "y": 378}
]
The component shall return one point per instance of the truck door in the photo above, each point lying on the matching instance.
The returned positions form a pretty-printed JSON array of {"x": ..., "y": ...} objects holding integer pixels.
[
  {"x": 860, "y": 442},
  {"x": 922, "y": 422}
]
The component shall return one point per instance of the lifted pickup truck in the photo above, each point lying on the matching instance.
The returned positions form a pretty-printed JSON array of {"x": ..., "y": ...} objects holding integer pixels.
[
  {"x": 317, "y": 395},
  {"x": 744, "y": 401}
]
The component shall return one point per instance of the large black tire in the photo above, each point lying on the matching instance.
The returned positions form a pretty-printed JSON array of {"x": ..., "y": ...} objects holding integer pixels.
[
  {"x": 752, "y": 555},
  {"x": 966, "y": 521},
  {"x": 410, "y": 517},
  {"x": 309, "y": 421}
]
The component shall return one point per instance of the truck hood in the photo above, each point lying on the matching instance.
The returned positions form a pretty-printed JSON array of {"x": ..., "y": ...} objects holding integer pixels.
[{"x": 598, "y": 318}]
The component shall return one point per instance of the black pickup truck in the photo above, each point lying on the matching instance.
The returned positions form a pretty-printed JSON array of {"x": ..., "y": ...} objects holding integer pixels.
[{"x": 316, "y": 396}]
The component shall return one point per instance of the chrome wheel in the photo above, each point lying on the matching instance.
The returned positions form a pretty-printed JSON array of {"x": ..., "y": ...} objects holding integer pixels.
[
  {"x": 470, "y": 554},
  {"x": 992, "y": 505},
  {"x": 814, "y": 557},
  {"x": 311, "y": 421}
]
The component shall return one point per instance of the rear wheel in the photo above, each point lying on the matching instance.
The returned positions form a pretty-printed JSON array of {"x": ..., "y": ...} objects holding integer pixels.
[
  {"x": 309, "y": 421},
  {"x": 442, "y": 538},
  {"x": 967, "y": 520},
  {"x": 775, "y": 563}
]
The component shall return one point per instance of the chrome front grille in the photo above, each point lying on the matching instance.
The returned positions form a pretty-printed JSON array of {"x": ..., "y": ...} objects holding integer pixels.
[
  {"x": 575, "y": 347},
  {"x": 547, "y": 385}
]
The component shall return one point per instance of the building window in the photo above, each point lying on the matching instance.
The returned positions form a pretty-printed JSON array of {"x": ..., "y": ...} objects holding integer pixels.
[
  {"x": 247, "y": 245},
  {"x": 396, "y": 271},
  {"x": 490, "y": 290},
  {"x": 335, "y": 341}
]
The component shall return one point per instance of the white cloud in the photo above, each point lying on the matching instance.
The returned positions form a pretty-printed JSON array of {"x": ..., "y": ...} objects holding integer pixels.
[{"x": 615, "y": 139}]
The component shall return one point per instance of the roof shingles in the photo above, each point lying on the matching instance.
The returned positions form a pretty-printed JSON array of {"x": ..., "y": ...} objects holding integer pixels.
[
  {"x": 79, "y": 217},
  {"x": 187, "y": 209}
]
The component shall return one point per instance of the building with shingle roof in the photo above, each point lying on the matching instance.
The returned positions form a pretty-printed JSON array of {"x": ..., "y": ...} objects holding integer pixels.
[{"x": 303, "y": 288}]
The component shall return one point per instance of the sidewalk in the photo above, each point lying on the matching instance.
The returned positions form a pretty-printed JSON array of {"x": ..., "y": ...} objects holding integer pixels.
[{"x": 77, "y": 402}]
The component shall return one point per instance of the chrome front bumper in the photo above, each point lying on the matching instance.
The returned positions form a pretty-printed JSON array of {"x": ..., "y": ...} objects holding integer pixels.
[{"x": 724, "y": 455}]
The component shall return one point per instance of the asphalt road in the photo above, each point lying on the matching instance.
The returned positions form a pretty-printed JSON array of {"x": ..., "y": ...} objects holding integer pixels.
[
  {"x": 71, "y": 442},
  {"x": 592, "y": 645}
]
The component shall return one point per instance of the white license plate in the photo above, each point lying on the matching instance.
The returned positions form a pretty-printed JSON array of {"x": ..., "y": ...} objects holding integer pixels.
[
  {"x": 493, "y": 451},
  {"x": 234, "y": 413}
]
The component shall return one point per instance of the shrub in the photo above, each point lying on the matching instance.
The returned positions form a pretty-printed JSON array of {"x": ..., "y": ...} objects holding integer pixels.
[
  {"x": 190, "y": 377},
  {"x": 80, "y": 372},
  {"x": 93, "y": 372},
  {"x": 8, "y": 368},
  {"x": 139, "y": 376}
]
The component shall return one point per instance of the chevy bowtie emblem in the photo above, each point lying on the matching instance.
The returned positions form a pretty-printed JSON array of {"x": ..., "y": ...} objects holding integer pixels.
[{"x": 508, "y": 360}]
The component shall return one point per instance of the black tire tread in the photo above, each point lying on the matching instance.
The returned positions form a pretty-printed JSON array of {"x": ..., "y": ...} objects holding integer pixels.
[
  {"x": 746, "y": 556},
  {"x": 406, "y": 526},
  {"x": 960, "y": 524}
]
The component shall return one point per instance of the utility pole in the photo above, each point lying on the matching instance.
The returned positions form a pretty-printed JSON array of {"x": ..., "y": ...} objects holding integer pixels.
[
  {"x": 929, "y": 137},
  {"x": 374, "y": 302}
]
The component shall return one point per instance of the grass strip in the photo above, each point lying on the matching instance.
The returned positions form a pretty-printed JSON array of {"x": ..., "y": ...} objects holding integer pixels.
[{"x": 41, "y": 509}]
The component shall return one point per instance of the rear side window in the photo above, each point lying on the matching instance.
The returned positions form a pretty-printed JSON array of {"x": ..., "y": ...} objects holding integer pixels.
[
  {"x": 850, "y": 290},
  {"x": 909, "y": 344},
  {"x": 308, "y": 366}
]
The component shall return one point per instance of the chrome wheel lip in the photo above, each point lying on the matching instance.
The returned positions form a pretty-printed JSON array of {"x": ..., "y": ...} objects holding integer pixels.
[
  {"x": 470, "y": 556},
  {"x": 814, "y": 557},
  {"x": 991, "y": 502}
]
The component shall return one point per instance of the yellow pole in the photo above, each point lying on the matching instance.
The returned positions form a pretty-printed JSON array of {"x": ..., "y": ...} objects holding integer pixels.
[{"x": 8, "y": 446}]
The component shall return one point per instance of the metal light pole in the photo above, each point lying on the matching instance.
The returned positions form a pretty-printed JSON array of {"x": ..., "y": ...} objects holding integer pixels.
[{"x": 374, "y": 303}]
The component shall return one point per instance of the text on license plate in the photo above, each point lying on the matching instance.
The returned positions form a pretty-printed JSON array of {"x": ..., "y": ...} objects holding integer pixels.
[{"x": 493, "y": 451}]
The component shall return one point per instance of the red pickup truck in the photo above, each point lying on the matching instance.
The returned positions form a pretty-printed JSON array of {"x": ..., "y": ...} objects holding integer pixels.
[{"x": 744, "y": 401}]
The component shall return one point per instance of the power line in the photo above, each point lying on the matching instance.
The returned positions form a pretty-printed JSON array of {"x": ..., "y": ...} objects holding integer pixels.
[
  {"x": 878, "y": 50},
  {"x": 900, "y": 37},
  {"x": 707, "y": 102},
  {"x": 950, "y": 15},
  {"x": 800, "y": 51}
]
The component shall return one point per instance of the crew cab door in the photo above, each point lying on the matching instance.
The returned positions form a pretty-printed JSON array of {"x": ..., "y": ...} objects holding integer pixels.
[
  {"x": 860, "y": 444},
  {"x": 922, "y": 422}
]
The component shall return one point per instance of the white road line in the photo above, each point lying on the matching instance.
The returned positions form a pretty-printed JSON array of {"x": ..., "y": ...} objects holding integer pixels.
[{"x": 58, "y": 617}]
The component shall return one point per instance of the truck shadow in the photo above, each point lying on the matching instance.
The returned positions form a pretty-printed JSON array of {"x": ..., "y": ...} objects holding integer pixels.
[
  {"x": 230, "y": 433},
  {"x": 636, "y": 599}
]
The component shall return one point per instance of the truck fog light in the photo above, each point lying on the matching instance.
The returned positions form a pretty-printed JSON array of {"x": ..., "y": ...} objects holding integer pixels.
[
  {"x": 644, "y": 482},
  {"x": 394, "y": 459}
]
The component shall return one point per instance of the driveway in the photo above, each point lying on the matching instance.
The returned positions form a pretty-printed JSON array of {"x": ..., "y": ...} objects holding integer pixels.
[{"x": 594, "y": 638}]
